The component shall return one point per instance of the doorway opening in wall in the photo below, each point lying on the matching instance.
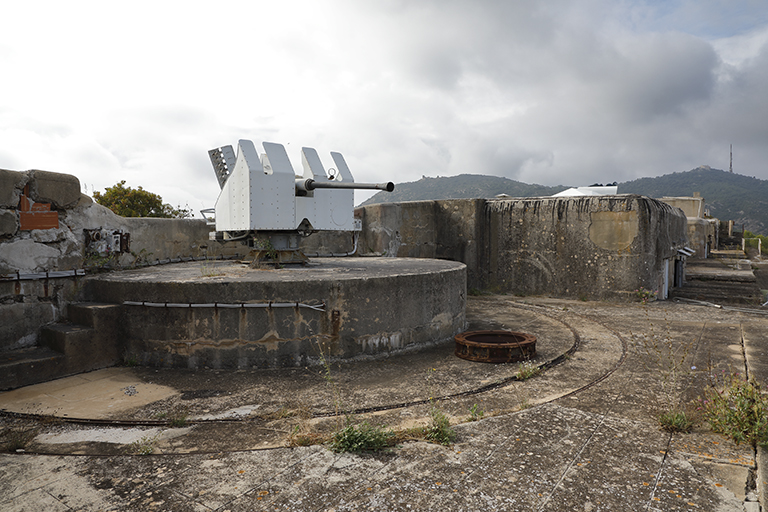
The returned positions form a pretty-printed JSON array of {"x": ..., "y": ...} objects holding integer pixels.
[{"x": 679, "y": 275}]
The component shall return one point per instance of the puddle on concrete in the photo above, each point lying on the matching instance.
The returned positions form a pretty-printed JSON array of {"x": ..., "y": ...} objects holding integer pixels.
[{"x": 97, "y": 394}]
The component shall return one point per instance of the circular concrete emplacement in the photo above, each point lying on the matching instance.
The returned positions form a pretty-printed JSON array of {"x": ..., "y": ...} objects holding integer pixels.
[{"x": 227, "y": 315}]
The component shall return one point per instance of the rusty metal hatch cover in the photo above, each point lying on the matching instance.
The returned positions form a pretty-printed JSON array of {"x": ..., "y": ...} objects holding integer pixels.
[{"x": 495, "y": 346}]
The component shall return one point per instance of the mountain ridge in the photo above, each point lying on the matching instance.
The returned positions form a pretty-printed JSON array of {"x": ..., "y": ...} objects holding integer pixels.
[{"x": 727, "y": 196}]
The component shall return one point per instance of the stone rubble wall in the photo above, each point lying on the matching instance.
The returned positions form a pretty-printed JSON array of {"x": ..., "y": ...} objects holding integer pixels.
[{"x": 26, "y": 305}]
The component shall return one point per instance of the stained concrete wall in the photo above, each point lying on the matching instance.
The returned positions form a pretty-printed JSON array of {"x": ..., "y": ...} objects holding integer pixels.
[
  {"x": 370, "y": 306},
  {"x": 702, "y": 232},
  {"x": 26, "y": 305},
  {"x": 450, "y": 229},
  {"x": 588, "y": 247}
]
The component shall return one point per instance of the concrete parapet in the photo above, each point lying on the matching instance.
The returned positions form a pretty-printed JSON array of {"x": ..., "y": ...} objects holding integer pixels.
[{"x": 588, "y": 247}]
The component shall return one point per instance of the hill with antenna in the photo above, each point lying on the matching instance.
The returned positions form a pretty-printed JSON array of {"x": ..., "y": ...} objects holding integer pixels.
[{"x": 728, "y": 196}]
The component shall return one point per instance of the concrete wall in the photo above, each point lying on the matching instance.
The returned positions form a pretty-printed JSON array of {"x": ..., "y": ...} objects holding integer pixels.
[
  {"x": 702, "y": 232},
  {"x": 588, "y": 247},
  {"x": 585, "y": 247},
  {"x": 451, "y": 229},
  {"x": 691, "y": 206},
  {"x": 26, "y": 305},
  {"x": 371, "y": 306},
  {"x": 702, "y": 236}
]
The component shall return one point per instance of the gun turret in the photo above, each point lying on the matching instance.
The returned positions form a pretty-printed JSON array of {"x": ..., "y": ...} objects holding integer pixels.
[{"x": 263, "y": 198}]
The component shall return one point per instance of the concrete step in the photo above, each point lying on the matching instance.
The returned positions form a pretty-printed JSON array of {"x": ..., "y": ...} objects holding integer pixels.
[
  {"x": 89, "y": 345},
  {"x": 88, "y": 342},
  {"x": 733, "y": 253},
  {"x": 27, "y": 366},
  {"x": 719, "y": 292},
  {"x": 101, "y": 316}
]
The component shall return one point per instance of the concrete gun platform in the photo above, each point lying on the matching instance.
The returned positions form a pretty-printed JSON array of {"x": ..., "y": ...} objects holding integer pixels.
[
  {"x": 221, "y": 314},
  {"x": 580, "y": 436}
]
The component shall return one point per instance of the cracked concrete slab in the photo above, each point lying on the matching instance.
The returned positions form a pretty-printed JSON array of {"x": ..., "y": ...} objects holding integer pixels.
[{"x": 582, "y": 435}]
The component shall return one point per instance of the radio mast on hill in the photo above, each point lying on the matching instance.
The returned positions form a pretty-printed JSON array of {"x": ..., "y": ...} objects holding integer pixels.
[{"x": 730, "y": 168}]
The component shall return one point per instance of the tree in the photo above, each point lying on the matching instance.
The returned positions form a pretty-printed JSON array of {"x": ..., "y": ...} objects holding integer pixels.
[{"x": 129, "y": 202}]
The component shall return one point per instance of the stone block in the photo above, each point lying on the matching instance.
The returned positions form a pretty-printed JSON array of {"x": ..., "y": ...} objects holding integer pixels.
[
  {"x": 11, "y": 183},
  {"x": 9, "y": 222},
  {"x": 60, "y": 190},
  {"x": 27, "y": 256}
]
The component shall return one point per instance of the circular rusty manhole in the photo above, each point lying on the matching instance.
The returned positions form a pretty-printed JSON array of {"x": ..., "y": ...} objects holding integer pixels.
[{"x": 495, "y": 346}]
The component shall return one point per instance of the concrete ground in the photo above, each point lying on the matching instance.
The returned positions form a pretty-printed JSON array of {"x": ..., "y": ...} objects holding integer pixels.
[{"x": 582, "y": 435}]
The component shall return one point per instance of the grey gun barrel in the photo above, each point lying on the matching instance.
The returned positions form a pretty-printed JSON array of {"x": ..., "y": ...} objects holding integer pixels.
[{"x": 307, "y": 185}]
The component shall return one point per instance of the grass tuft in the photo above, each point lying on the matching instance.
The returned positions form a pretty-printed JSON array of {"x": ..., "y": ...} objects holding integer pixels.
[{"x": 362, "y": 437}]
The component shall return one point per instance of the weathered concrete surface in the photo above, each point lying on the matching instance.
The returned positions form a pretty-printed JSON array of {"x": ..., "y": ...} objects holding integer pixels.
[
  {"x": 702, "y": 236},
  {"x": 589, "y": 442},
  {"x": 592, "y": 248},
  {"x": 587, "y": 247},
  {"x": 9, "y": 222},
  {"x": 370, "y": 306},
  {"x": 448, "y": 229}
]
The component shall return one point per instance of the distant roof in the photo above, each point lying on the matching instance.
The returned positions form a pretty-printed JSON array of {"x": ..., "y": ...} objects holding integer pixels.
[{"x": 588, "y": 191}]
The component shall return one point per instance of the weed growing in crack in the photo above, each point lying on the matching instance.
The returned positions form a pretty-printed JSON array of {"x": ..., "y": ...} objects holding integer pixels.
[
  {"x": 737, "y": 408},
  {"x": 177, "y": 418},
  {"x": 331, "y": 383},
  {"x": 361, "y": 437},
  {"x": 668, "y": 359},
  {"x": 525, "y": 404},
  {"x": 439, "y": 430},
  {"x": 208, "y": 265},
  {"x": 475, "y": 413},
  {"x": 350, "y": 436},
  {"x": 526, "y": 370},
  {"x": 143, "y": 446},
  {"x": 644, "y": 295},
  {"x": 676, "y": 421},
  {"x": 303, "y": 435}
]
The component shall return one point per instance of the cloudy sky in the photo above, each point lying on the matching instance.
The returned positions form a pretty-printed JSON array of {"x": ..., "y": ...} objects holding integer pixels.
[{"x": 564, "y": 92}]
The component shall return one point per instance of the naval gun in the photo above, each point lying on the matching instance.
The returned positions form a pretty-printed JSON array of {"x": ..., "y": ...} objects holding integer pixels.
[{"x": 266, "y": 206}]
